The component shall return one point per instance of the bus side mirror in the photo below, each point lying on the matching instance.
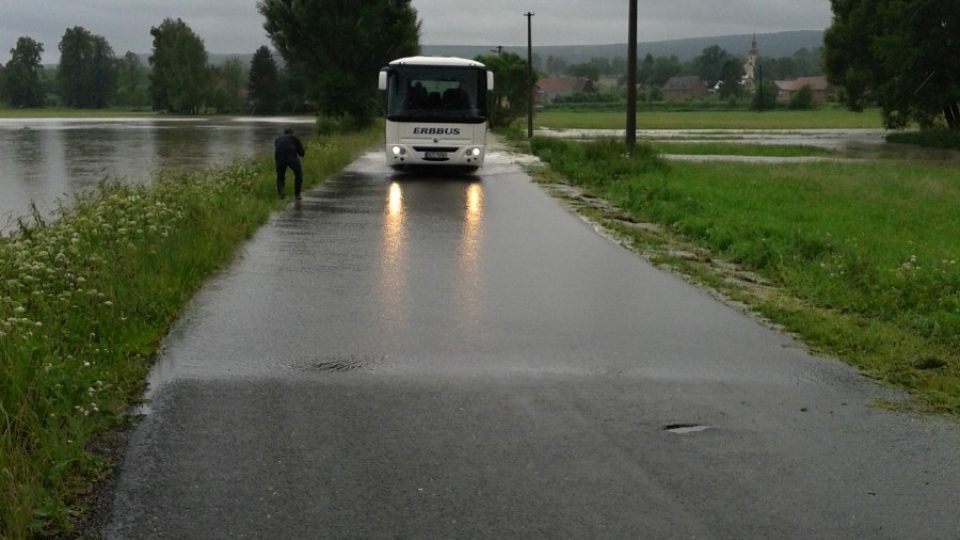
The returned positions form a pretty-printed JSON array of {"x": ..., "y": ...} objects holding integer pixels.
[
  {"x": 383, "y": 80},
  {"x": 489, "y": 81}
]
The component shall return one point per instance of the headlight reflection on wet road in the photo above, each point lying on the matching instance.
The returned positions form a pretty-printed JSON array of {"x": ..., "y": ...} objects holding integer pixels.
[
  {"x": 393, "y": 271},
  {"x": 469, "y": 282},
  {"x": 406, "y": 206}
]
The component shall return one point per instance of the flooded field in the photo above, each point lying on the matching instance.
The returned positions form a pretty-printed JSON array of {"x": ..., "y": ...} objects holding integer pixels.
[
  {"x": 46, "y": 160},
  {"x": 850, "y": 144}
]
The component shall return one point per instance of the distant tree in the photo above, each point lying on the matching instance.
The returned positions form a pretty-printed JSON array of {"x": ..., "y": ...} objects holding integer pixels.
[
  {"x": 343, "y": 45},
  {"x": 802, "y": 99},
  {"x": 764, "y": 96},
  {"x": 665, "y": 67},
  {"x": 537, "y": 62},
  {"x": 22, "y": 85},
  {"x": 618, "y": 66},
  {"x": 645, "y": 69},
  {"x": 263, "y": 84},
  {"x": 228, "y": 86},
  {"x": 179, "y": 80},
  {"x": 509, "y": 101},
  {"x": 556, "y": 65},
  {"x": 807, "y": 62},
  {"x": 710, "y": 64},
  {"x": 133, "y": 80},
  {"x": 588, "y": 70},
  {"x": 655, "y": 94},
  {"x": 732, "y": 77},
  {"x": 901, "y": 53}
]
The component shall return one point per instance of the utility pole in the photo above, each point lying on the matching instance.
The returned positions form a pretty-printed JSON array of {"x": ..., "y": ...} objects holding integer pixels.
[
  {"x": 632, "y": 78},
  {"x": 529, "y": 16}
]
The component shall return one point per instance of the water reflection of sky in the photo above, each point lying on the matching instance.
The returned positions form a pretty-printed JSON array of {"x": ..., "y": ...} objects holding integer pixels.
[{"x": 48, "y": 160}]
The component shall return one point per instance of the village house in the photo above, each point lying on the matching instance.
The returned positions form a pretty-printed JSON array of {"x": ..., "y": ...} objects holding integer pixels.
[
  {"x": 548, "y": 89},
  {"x": 821, "y": 88},
  {"x": 684, "y": 87}
]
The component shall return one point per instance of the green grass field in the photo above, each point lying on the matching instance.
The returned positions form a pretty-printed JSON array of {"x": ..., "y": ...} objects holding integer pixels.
[
  {"x": 864, "y": 258},
  {"x": 827, "y": 118},
  {"x": 84, "y": 302}
]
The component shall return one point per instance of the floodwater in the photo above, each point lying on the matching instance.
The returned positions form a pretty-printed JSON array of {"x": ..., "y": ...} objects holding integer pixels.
[
  {"x": 47, "y": 160},
  {"x": 849, "y": 144}
]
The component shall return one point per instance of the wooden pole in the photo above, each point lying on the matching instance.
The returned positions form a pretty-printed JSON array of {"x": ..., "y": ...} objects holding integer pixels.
[
  {"x": 530, "y": 83},
  {"x": 632, "y": 78}
]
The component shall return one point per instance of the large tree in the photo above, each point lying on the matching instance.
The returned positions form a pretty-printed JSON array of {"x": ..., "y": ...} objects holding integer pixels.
[
  {"x": 343, "y": 45},
  {"x": 731, "y": 75},
  {"x": 180, "y": 79},
  {"x": 512, "y": 92},
  {"x": 263, "y": 85},
  {"x": 710, "y": 64},
  {"x": 901, "y": 53},
  {"x": 664, "y": 67},
  {"x": 21, "y": 84},
  {"x": 87, "y": 72}
]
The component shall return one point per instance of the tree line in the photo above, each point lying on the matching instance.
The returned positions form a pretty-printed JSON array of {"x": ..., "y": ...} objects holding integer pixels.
[
  {"x": 177, "y": 78},
  {"x": 711, "y": 65},
  {"x": 898, "y": 54}
]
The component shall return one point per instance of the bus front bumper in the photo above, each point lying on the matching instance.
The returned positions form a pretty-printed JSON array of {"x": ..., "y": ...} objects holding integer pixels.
[{"x": 399, "y": 155}]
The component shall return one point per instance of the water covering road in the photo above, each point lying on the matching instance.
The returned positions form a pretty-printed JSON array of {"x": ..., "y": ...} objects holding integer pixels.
[{"x": 428, "y": 357}]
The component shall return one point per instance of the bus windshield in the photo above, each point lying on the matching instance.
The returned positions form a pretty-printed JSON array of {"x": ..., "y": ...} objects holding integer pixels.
[{"x": 437, "y": 94}]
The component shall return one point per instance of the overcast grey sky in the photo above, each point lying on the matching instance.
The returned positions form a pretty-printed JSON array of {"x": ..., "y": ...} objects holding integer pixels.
[{"x": 234, "y": 26}]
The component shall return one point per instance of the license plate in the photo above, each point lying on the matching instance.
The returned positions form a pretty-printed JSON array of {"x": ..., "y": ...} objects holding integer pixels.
[{"x": 435, "y": 155}]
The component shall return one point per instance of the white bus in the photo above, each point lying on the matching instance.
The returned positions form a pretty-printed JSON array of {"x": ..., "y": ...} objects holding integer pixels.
[{"x": 436, "y": 110}]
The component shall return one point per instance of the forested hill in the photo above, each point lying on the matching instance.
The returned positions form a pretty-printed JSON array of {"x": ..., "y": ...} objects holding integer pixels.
[{"x": 770, "y": 45}]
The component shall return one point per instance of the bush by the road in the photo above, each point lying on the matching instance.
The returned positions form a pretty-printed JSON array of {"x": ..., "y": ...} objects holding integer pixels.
[
  {"x": 84, "y": 302},
  {"x": 932, "y": 138}
]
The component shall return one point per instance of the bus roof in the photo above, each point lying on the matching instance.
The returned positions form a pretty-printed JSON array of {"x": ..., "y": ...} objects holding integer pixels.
[{"x": 446, "y": 61}]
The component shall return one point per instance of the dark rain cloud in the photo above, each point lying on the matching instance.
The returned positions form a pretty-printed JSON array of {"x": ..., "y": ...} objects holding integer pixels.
[{"x": 234, "y": 26}]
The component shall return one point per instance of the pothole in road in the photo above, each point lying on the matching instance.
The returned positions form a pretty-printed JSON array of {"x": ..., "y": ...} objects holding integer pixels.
[
  {"x": 684, "y": 429},
  {"x": 341, "y": 363}
]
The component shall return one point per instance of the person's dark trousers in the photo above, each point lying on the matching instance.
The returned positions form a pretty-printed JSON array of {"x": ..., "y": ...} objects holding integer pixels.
[{"x": 297, "y": 176}]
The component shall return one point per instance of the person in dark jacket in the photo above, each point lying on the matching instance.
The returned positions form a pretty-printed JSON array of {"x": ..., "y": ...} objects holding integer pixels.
[{"x": 287, "y": 150}]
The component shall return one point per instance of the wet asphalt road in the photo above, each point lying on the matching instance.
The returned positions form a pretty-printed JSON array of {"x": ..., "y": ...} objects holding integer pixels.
[{"x": 417, "y": 357}]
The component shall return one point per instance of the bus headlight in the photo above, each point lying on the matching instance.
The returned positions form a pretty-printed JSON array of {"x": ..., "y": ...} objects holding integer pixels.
[
  {"x": 475, "y": 152},
  {"x": 398, "y": 151}
]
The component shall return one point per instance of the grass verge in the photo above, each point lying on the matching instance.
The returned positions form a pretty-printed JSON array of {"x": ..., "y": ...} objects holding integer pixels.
[
  {"x": 861, "y": 261},
  {"x": 84, "y": 302},
  {"x": 781, "y": 119}
]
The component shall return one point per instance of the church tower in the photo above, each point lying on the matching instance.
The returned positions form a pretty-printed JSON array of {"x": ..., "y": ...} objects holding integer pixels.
[{"x": 751, "y": 66}]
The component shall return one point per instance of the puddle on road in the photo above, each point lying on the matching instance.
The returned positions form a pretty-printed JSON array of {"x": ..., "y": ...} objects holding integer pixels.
[
  {"x": 685, "y": 429},
  {"x": 339, "y": 363}
]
